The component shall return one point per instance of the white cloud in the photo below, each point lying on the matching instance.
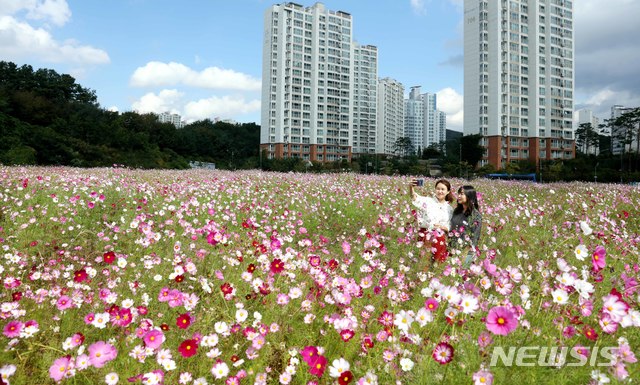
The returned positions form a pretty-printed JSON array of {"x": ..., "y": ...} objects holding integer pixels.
[
  {"x": 172, "y": 100},
  {"x": 157, "y": 74},
  {"x": 164, "y": 101},
  {"x": 222, "y": 107},
  {"x": 55, "y": 11},
  {"x": 418, "y": 7},
  {"x": 20, "y": 41},
  {"x": 607, "y": 51},
  {"x": 451, "y": 102}
]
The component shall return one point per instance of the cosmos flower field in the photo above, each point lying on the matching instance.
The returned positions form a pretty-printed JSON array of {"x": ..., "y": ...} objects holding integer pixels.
[{"x": 118, "y": 276}]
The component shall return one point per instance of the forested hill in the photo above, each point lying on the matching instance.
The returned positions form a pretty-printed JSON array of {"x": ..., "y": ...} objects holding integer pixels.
[{"x": 48, "y": 119}]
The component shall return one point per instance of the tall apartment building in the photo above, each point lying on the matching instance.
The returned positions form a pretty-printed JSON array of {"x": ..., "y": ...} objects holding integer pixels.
[
  {"x": 424, "y": 123},
  {"x": 618, "y": 134},
  {"x": 308, "y": 71},
  {"x": 365, "y": 95},
  {"x": 519, "y": 78},
  {"x": 586, "y": 116},
  {"x": 414, "y": 117},
  {"x": 175, "y": 119},
  {"x": 441, "y": 126},
  {"x": 390, "y": 115}
]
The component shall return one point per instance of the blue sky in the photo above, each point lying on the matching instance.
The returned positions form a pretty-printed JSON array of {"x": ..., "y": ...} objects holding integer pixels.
[{"x": 203, "y": 59}]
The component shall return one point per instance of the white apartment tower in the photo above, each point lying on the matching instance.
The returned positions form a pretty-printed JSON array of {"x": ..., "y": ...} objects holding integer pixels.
[
  {"x": 390, "y": 115},
  {"x": 441, "y": 126},
  {"x": 584, "y": 116},
  {"x": 365, "y": 96},
  {"x": 430, "y": 133},
  {"x": 424, "y": 123},
  {"x": 620, "y": 135},
  {"x": 307, "y": 83},
  {"x": 175, "y": 119},
  {"x": 414, "y": 117},
  {"x": 519, "y": 78}
]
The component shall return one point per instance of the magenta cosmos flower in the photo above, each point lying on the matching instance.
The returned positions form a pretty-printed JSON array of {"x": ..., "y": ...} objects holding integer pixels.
[
  {"x": 13, "y": 329},
  {"x": 501, "y": 320},
  {"x": 100, "y": 353},
  {"x": 443, "y": 353},
  {"x": 598, "y": 258},
  {"x": 153, "y": 338}
]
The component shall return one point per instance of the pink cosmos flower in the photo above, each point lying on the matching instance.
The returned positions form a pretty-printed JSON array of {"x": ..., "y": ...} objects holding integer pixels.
[
  {"x": 88, "y": 319},
  {"x": 153, "y": 338},
  {"x": 13, "y": 329},
  {"x": 77, "y": 339},
  {"x": 485, "y": 339},
  {"x": 586, "y": 307},
  {"x": 598, "y": 259},
  {"x": 482, "y": 377},
  {"x": 614, "y": 306},
  {"x": 443, "y": 353},
  {"x": 625, "y": 353},
  {"x": 431, "y": 304},
  {"x": 122, "y": 317},
  {"x": 607, "y": 324},
  {"x": 501, "y": 320},
  {"x": 100, "y": 353},
  {"x": 64, "y": 303},
  {"x": 346, "y": 247},
  {"x": 620, "y": 371},
  {"x": 581, "y": 350},
  {"x": 60, "y": 368}
]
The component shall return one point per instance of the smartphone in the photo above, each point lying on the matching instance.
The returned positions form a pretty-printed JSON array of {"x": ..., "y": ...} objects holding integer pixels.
[{"x": 419, "y": 182}]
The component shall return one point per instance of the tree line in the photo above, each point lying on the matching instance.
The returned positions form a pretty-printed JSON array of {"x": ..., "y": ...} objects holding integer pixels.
[{"x": 48, "y": 119}]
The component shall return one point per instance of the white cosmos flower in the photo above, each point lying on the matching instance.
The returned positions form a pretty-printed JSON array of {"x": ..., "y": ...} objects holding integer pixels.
[
  {"x": 403, "y": 320},
  {"x": 586, "y": 229},
  {"x": 566, "y": 279},
  {"x": 581, "y": 252},
  {"x": 560, "y": 296},
  {"x": 338, "y": 367},
  {"x": 423, "y": 316},
  {"x": 469, "y": 304},
  {"x": 583, "y": 287},
  {"x": 406, "y": 364}
]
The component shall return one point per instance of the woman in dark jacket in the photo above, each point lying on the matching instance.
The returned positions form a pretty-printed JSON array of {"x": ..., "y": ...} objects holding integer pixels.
[{"x": 466, "y": 223}]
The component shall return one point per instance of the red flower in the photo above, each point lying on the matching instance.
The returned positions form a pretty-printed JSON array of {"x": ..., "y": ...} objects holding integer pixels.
[
  {"x": 16, "y": 296},
  {"x": 333, "y": 264},
  {"x": 590, "y": 333},
  {"x": 346, "y": 334},
  {"x": 367, "y": 343},
  {"x": 251, "y": 268},
  {"x": 109, "y": 257},
  {"x": 183, "y": 321},
  {"x": 277, "y": 266},
  {"x": 164, "y": 327},
  {"x": 179, "y": 278},
  {"x": 345, "y": 378},
  {"x": 80, "y": 275},
  {"x": 226, "y": 288},
  {"x": 188, "y": 348},
  {"x": 317, "y": 366}
]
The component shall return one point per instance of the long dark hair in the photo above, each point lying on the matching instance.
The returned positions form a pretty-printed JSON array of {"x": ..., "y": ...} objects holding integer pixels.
[
  {"x": 449, "y": 197},
  {"x": 472, "y": 200}
]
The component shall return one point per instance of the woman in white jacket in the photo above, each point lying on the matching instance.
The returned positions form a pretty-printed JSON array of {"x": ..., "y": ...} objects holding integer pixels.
[{"x": 434, "y": 217}]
